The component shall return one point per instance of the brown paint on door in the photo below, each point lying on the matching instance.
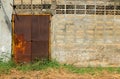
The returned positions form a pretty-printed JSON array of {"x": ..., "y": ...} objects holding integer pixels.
[
  {"x": 31, "y": 37},
  {"x": 40, "y": 36}
]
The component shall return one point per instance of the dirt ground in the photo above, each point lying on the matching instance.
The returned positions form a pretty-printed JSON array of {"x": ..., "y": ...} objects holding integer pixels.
[{"x": 56, "y": 74}]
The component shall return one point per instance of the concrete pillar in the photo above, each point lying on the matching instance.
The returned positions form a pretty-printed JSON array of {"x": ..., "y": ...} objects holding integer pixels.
[{"x": 5, "y": 30}]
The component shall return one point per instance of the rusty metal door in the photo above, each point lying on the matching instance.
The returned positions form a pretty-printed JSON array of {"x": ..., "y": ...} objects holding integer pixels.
[
  {"x": 40, "y": 37},
  {"x": 22, "y": 38},
  {"x": 31, "y": 37}
]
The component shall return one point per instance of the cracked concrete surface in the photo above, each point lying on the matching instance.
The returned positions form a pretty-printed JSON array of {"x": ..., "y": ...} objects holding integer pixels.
[{"x": 5, "y": 30}]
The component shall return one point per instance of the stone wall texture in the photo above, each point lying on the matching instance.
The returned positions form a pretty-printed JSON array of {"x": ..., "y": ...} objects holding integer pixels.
[{"x": 86, "y": 40}]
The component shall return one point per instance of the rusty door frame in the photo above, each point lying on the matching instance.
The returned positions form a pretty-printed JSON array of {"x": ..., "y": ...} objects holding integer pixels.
[{"x": 13, "y": 26}]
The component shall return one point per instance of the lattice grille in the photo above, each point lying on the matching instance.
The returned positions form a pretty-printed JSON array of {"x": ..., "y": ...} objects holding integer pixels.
[
  {"x": 89, "y": 7},
  {"x": 97, "y": 7}
]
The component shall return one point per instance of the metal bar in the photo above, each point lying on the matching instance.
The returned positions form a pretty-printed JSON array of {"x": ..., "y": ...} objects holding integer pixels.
[
  {"x": 41, "y": 5},
  {"x": 31, "y": 7},
  {"x": 22, "y": 5}
]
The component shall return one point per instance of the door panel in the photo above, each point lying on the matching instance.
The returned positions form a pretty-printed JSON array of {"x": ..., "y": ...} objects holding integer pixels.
[
  {"x": 23, "y": 26},
  {"x": 39, "y": 50},
  {"x": 40, "y": 37},
  {"x": 40, "y": 28},
  {"x": 22, "y": 38},
  {"x": 31, "y": 37},
  {"x": 23, "y": 54}
]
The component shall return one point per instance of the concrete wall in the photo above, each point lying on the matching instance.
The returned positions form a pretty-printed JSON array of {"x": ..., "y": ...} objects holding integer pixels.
[
  {"x": 81, "y": 40},
  {"x": 5, "y": 30},
  {"x": 86, "y": 40}
]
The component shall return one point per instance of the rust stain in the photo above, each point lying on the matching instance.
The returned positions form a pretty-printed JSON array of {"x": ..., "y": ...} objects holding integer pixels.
[{"x": 20, "y": 45}]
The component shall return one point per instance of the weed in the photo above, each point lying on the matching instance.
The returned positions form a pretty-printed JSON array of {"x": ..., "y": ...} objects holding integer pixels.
[
  {"x": 39, "y": 65},
  {"x": 91, "y": 70},
  {"x": 6, "y": 66},
  {"x": 45, "y": 64}
]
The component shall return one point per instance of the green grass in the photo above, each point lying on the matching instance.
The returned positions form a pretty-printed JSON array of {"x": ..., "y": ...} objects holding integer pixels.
[
  {"x": 92, "y": 70},
  {"x": 6, "y": 66},
  {"x": 39, "y": 65},
  {"x": 45, "y": 64}
]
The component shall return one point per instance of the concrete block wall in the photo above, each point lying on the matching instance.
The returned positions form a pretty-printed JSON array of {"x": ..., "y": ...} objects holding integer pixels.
[
  {"x": 86, "y": 40},
  {"x": 81, "y": 40},
  {"x": 5, "y": 30},
  {"x": 33, "y": 1}
]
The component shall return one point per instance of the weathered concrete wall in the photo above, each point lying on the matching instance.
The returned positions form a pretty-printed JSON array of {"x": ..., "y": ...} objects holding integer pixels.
[
  {"x": 86, "y": 40},
  {"x": 5, "y": 30},
  {"x": 81, "y": 40}
]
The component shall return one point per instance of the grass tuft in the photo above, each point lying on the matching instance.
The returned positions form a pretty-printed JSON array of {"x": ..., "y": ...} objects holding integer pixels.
[
  {"x": 39, "y": 65},
  {"x": 5, "y": 67}
]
